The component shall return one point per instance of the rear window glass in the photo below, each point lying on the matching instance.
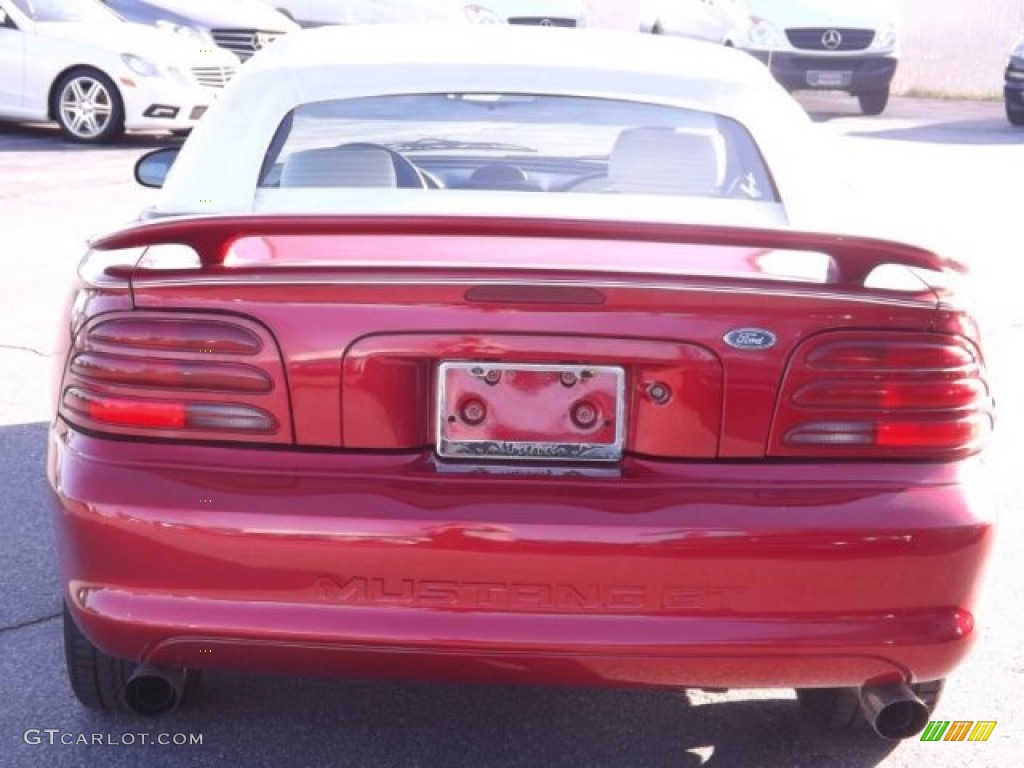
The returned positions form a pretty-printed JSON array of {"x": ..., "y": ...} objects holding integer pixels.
[{"x": 516, "y": 142}]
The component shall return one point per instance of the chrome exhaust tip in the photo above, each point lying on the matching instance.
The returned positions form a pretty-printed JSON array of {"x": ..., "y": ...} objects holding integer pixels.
[
  {"x": 153, "y": 691},
  {"x": 893, "y": 710}
]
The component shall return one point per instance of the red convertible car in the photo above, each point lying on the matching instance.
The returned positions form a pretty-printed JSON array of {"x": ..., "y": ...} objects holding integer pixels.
[{"x": 498, "y": 354}]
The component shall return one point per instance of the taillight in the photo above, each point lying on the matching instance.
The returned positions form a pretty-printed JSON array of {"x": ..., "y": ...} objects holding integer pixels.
[
  {"x": 893, "y": 395},
  {"x": 186, "y": 377}
]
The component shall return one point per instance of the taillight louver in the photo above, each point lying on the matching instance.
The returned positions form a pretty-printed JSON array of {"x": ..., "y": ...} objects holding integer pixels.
[
  {"x": 164, "y": 373},
  {"x": 887, "y": 394},
  {"x": 182, "y": 377},
  {"x": 893, "y": 395},
  {"x": 179, "y": 335}
]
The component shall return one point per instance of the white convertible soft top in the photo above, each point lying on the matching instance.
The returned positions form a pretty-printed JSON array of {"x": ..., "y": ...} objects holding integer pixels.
[{"x": 218, "y": 169}]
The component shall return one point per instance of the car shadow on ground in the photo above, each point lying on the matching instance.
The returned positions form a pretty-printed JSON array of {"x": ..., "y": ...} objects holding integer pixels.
[
  {"x": 248, "y": 720},
  {"x": 961, "y": 132},
  {"x": 464, "y": 725},
  {"x": 916, "y": 120},
  {"x": 21, "y": 137}
]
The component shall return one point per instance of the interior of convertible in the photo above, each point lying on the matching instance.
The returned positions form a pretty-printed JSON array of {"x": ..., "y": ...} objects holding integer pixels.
[{"x": 516, "y": 142}]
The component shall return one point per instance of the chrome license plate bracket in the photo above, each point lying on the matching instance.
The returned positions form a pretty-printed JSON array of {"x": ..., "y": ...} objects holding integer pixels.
[{"x": 530, "y": 412}]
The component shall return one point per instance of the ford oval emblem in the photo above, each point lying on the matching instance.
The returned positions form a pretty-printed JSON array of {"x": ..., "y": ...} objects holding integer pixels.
[{"x": 750, "y": 338}]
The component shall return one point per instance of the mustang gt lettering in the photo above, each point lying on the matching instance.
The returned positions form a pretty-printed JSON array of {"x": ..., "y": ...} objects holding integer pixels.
[{"x": 361, "y": 590}]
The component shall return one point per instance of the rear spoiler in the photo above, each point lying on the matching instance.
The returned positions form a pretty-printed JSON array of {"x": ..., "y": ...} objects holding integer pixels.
[{"x": 855, "y": 257}]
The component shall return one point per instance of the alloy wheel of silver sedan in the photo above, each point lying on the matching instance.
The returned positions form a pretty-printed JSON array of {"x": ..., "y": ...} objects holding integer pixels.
[{"x": 88, "y": 107}]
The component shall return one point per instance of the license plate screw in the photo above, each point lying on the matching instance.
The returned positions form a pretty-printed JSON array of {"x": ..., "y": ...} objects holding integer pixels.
[
  {"x": 473, "y": 412},
  {"x": 584, "y": 414}
]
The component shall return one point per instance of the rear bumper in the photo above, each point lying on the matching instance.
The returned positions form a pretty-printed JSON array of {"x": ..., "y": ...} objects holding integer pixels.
[
  {"x": 796, "y": 72},
  {"x": 372, "y": 565}
]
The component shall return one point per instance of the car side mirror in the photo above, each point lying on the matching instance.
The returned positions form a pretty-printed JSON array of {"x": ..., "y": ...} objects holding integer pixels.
[{"x": 152, "y": 168}]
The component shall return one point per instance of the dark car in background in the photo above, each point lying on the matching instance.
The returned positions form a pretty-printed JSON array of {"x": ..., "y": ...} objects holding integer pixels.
[
  {"x": 1013, "y": 90},
  {"x": 241, "y": 26}
]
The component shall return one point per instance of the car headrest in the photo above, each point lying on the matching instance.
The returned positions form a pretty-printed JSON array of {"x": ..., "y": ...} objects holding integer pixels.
[
  {"x": 666, "y": 161},
  {"x": 339, "y": 167}
]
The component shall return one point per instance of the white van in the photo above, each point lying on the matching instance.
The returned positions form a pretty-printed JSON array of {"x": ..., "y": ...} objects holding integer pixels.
[{"x": 841, "y": 45}]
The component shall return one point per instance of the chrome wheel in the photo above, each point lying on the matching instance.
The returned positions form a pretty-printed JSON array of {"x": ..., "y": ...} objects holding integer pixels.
[{"x": 88, "y": 107}]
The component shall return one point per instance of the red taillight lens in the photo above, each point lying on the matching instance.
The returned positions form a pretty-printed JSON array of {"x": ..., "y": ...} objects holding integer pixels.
[
  {"x": 901, "y": 395},
  {"x": 181, "y": 377},
  {"x": 128, "y": 412},
  {"x": 938, "y": 435},
  {"x": 169, "y": 414}
]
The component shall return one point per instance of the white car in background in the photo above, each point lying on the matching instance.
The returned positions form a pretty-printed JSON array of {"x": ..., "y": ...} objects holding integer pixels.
[
  {"x": 314, "y": 13},
  {"x": 242, "y": 26},
  {"x": 79, "y": 64},
  {"x": 711, "y": 20}
]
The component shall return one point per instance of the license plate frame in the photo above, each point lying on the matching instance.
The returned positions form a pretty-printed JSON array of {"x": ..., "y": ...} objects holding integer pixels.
[
  {"x": 829, "y": 78},
  {"x": 537, "y": 397}
]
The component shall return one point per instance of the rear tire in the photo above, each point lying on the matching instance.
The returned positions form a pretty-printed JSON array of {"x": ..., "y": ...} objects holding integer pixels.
[
  {"x": 98, "y": 680},
  {"x": 873, "y": 102},
  {"x": 838, "y": 709}
]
